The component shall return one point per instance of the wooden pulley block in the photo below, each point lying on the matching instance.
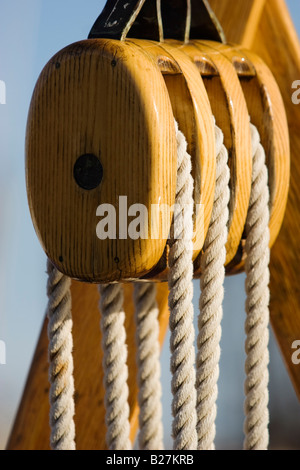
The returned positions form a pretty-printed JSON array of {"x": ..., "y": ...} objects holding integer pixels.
[
  {"x": 267, "y": 113},
  {"x": 100, "y": 142},
  {"x": 241, "y": 88},
  {"x": 72, "y": 114},
  {"x": 192, "y": 111},
  {"x": 231, "y": 113}
]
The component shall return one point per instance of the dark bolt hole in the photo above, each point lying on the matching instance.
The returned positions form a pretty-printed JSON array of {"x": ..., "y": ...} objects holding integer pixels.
[{"x": 88, "y": 172}]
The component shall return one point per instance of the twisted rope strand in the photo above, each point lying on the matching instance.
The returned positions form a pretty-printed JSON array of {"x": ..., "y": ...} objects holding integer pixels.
[
  {"x": 257, "y": 290},
  {"x": 148, "y": 352},
  {"x": 115, "y": 366},
  {"x": 211, "y": 298},
  {"x": 61, "y": 380},
  {"x": 181, "y": 308}
]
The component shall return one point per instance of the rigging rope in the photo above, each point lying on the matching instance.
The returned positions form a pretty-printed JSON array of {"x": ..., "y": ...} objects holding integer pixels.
[
  {"x": 211, "y": 298},
  {"x": 61, "y": 360},
  {"x": 148, "y": 352},
  {"x": 180, "y": 279},
  {"x": 194, "y": 412},
  {"x": 257, "y": 290},
  {"x": 115, "y": 366}
]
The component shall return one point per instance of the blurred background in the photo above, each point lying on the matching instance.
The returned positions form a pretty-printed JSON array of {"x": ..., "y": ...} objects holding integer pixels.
[{"x": 30, "y": 33}]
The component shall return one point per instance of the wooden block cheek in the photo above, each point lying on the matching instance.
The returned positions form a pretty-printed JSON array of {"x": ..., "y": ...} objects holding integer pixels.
[
  {"x": 192, "y": 111},
  {"x": 97, "y": 101},
  {"x": 275, "y": 138},
  {"x": 231, "y": 113},
  {"x": 267, "y": 113},
  {"x": 199, "y": 132}
]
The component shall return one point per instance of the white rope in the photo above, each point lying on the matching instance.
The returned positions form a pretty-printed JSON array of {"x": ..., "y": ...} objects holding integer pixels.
[
  {"x": 181, "y": 308},
  {"x": 211, "y": 298},
  {"x": 256, "y": 325},
  {"x": 185, "y": 401},
  {"x": 148, "y": 352},
  {"x": 115, "y": 366},
  {"x": 61, "y": 361}
]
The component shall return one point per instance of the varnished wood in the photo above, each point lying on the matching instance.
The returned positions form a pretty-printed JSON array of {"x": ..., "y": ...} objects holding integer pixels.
[
  {"x": 31, "y": 430},
  {"x": 192, "y": 111},
  {"x": 94, "y": 98},
  {"x": 205, "y": 141},
  {"x": 239, "y": 18},
  {"x": 267, "y": 113},
  {"x": 231, "y": 113},
  {"x": 274, "y": 135},
  {"x": 277, "y": 43}
]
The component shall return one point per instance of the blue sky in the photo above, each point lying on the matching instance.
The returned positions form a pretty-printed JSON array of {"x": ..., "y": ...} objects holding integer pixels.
[{"x": 31, "y": 32}]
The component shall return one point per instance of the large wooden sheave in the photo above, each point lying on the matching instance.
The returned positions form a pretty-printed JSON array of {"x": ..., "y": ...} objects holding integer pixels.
[{"x": 265, "y": 27}]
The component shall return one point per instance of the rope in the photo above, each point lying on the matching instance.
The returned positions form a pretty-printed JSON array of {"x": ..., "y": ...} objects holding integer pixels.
[
  {"x": 194, "y": 412},
  {"x": 256, "y": 325},
  {"x": 148, "y": 351},
  {"x": 61, "y": 360},
  {"x": 115, "y": 367},
  {"x": 181, "y": 308},
  {"x": 211, "y": 298}
]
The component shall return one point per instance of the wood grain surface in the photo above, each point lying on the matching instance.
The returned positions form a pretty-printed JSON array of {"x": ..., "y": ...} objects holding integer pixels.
[
  {"x": 94, "y": 98},
  {"x": 239, "y": 18},
  {"x": 267, "y": 113},
  {"x": 192, "y": 111},
  {"x": 230, "y": 110},
  {"x": 276, "y": 42},
  {"x": 266, "y": 27}
]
